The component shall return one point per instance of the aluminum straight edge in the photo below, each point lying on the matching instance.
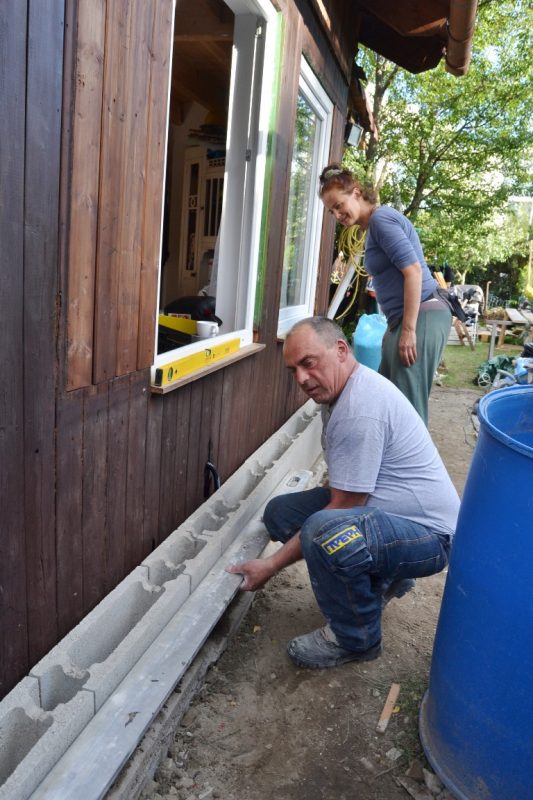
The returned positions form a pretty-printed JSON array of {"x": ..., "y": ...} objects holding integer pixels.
[{"x": 89, "y": 767}]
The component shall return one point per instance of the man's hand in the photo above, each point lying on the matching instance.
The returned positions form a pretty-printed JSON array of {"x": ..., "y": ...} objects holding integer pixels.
[{"x": 256, "y": 573}]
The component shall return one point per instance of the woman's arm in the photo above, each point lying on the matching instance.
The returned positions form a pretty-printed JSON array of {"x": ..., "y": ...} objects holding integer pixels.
[{"x": 412, "y": 288}]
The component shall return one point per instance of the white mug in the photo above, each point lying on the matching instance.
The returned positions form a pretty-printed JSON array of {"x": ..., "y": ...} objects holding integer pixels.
[{"x": 206, "y": 329}]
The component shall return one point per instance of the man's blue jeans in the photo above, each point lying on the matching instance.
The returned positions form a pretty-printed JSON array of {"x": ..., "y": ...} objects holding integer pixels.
[{"x": 352, "y": 555}]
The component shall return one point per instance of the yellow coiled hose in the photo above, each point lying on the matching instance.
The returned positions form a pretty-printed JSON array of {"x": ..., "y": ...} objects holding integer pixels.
[{"x": 352, "y": 245}]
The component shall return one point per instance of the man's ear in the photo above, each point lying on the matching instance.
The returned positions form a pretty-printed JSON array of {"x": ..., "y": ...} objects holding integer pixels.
[{"x": 342, "y": 349}]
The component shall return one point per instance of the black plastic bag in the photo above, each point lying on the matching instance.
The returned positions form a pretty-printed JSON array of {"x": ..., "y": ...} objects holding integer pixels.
[{"x": 452, "y": 301}]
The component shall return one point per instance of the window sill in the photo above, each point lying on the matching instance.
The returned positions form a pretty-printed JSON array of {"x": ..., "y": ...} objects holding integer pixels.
[{"x": 244, "y": 352}]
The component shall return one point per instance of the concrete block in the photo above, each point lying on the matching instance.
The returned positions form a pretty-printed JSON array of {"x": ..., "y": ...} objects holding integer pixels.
[
  {"x": 105, "y": 676},
  {"x": 46, "y": 712},
  {"x": 186, "y": 553},
  {"x": 32, "y": 740},
  {"x": 71, "y": 665},
  {"x": 102, "y": 649},
  {"x": 93, "y": 762}
]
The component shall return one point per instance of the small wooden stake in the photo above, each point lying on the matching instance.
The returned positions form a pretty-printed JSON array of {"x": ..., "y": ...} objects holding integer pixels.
[{"x": 388, "y": 708}]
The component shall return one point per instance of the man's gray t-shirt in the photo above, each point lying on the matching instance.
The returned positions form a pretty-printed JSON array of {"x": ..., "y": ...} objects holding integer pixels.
[{"x": 375, "y": 443}]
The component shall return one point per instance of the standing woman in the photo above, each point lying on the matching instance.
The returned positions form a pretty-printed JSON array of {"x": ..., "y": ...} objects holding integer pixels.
[{"x": 418, "y": 321}]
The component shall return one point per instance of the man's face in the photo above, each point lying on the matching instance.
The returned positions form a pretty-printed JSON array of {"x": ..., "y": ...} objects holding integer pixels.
[{"x": 320, "y": 371}]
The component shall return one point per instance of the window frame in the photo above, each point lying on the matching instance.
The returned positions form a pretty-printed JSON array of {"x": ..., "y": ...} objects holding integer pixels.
[
  {"x": 249, "y": 112},
  {"x": 317, "y": 98}
]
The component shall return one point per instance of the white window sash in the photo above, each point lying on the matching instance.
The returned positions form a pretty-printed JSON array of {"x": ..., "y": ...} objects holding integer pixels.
[{"x": 244, "y": 179}]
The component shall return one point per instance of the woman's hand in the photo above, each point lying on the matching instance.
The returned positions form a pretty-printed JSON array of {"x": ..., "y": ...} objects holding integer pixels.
[
  {"x": 407, "y": 347},
  {"x": 412, "y": 276}
]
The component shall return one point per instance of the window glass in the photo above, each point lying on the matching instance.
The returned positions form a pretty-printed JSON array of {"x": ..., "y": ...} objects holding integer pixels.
[
  {"x": 312, "y": 135},
  {"x": 293, "y": 283}
]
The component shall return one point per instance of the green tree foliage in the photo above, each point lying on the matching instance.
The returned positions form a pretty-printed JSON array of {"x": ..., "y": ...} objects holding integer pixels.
[{"x": 452, "y": 150}]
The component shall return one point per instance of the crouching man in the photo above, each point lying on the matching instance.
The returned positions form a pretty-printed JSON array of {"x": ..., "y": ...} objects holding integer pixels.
[{"x": 388, "y": 515}]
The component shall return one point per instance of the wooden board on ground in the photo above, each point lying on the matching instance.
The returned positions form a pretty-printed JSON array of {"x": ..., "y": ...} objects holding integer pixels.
[{"x": 388, "y": 708}]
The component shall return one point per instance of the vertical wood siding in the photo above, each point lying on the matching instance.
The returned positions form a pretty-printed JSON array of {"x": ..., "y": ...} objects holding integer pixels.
[
  {"x": 43, "y": 127},
  {"x": 85, "y": 182},
  {"x": 70, "y": 465},
  {"x": 119, "y": 134},
  {"x": 13, "y": 607},
  {"x": 96, "y": 471},
  {"x": 154, "y": 177}
]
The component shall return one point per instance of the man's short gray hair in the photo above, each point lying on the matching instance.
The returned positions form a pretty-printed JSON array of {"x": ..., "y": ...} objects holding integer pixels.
[{"x": 327, "y": 330}]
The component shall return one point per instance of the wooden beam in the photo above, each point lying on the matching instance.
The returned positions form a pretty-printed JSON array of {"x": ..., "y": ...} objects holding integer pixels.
[
  {"x": 219, "y": 36},
  {"x": 417, "y": 18}
]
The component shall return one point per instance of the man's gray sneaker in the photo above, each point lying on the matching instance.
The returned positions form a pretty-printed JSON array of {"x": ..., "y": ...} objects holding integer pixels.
[
  {"x": 397, "y": 589},
  {"x": 319, "y": 649}
]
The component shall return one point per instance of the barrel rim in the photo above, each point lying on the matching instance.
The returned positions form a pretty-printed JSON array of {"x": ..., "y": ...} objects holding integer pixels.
[{"x": 496, "y": 396}]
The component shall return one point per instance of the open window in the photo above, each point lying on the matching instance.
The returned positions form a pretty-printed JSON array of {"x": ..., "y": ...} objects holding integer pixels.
[
  {"x": 220, "y": 97},
  {"x": 312, "y": 135}
]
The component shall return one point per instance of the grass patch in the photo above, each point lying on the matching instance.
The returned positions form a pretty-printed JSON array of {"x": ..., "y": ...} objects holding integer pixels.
[
  {"x": 411, "y": 693},
  {"x": 462, "y": 363}
]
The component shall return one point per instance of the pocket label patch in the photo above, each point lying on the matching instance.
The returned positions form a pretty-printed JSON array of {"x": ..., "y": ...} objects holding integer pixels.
[{"x": 341, "y": 539}]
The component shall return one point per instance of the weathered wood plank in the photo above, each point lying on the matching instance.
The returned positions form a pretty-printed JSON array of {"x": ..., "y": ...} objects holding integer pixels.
[
  {"x": 184, "y": 415},
  {"x": 95, "y": 487},
  {"x": 284, "y": 393},
  {"x": 167, "y": 480},
  {"x": 161, "y": 49},
  {"x": 244, "y": 408},
  {"x": 261, "y": 379},
  {"x": 234, "y": 411},
  {"x": 154, "y": 427},
  {"x": 86, "y": 129},
  {"x": 69, "y": 511},
  {"x": 13, "y": 607},
  {"x": 210, "y": 430},
  {"x": 131, "y": 174},
  {"x": 115, "y": 115},
  {"x": 135, "y": 549},
  {"x": 197, "y": 456},
  {"x": 43, "y": 139},
  {"x": 117, "y": 463}
]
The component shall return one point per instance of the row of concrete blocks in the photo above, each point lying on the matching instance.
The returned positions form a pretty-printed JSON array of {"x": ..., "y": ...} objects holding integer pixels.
[{"x": 48, "y": 709}]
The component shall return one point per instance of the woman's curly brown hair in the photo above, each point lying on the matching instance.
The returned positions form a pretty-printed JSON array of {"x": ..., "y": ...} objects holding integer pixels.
[{"x": 335, "y": 177}]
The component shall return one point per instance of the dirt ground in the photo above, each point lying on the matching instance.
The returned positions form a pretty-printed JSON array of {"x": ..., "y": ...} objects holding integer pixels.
[{"x": 261, "y": 728}]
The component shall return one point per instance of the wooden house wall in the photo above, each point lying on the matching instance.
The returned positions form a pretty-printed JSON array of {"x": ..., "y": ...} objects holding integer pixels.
[
  {"x": 31, "y": 58},
  {"x": 95, "y": 470}
]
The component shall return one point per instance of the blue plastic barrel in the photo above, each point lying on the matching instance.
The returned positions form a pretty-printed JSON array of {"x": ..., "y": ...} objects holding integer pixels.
[
  {"x": 476, "y": 720},
  {"x": 367, "y": 339}
]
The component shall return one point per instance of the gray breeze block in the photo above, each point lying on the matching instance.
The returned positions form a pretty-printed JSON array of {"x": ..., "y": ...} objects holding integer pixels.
[{"x": 46, "y": 711}]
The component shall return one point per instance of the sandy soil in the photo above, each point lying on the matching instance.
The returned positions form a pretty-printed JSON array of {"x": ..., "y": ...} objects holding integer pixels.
[{"x": 261, "y": 729}]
